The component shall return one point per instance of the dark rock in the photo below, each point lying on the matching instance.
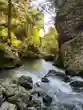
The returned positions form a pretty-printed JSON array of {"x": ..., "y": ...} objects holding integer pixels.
[
  {"x": 80, "y": 74},
  {"x": 60, "y": 75},
  {"x": 45, "y": 80},
  {"x": 37, "y": 84},
  {"x": 47, "y": 100},
  {"x": 49, "y": 57},
  {"x": 76, "y": 84},
  {"x": 50, "y": 72},
  {"x": 63, "y": 77},
  {"x": 70, "y": 73},
  {"x": 26, "y": 82}
]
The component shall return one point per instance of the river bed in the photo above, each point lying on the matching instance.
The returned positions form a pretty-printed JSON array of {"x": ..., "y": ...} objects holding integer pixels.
[{"x": 63, "y": 96}]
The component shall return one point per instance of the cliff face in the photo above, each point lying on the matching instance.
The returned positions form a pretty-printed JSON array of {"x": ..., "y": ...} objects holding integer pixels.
[{"x": 69, "y": 23}]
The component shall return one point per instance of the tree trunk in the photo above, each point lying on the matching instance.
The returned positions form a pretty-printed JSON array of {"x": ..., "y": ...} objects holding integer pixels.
[
  {"x": 9, "y": 20},
  {"x": 60, "y": 60}
]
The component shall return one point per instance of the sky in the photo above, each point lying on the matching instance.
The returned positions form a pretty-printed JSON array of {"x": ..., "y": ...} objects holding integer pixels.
[{"x": 49, "y": 12}]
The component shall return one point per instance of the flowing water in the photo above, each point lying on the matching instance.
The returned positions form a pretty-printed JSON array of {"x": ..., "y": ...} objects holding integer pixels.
[{"x": 64, "y": 98}]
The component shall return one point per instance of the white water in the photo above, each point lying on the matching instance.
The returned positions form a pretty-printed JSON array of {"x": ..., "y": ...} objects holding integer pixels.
[{"x": 64, "y": 98}]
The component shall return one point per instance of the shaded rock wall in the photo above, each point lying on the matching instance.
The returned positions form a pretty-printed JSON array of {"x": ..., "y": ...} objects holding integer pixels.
[{"x": 69, "y": 23}]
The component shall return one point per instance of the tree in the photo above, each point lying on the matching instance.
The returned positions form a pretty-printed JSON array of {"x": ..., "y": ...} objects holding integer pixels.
[{"x": 9, "y": 19}]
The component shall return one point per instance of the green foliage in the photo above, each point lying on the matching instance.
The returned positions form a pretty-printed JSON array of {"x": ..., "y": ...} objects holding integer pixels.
[
  {"x": 3, "y": 5},
  {"x": 16, "y": 43},
  {"x": 2, "y": 46},
  {"x": 3, "y": 33},
  {"x": 26, "y": 24},
  {"x": 50, "y": 42}
]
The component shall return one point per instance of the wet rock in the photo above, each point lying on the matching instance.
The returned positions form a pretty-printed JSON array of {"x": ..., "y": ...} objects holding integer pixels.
[
  {"x": 71, "y": 73},
  {"x": 80, "y": 73},
  {"x": 60, "y": 75},
  {"x": 18, "y": 95},
  {"x": 48, "y": 57},
  {"x": 15, "y": 94},
  {"x": 76, "y": 84},
  {"x": 51, "y": 72},
  {"x": 63, "y": 77},
  {"x": 45, "y": 80},
  {"x": 47, "y": 100},
  {"x": 26, "y": 82},
  {"x": 8, "y": 106}
]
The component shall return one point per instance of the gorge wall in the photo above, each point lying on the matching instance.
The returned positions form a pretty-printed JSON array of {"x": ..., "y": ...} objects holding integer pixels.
[{"x": 69, "y": 24}]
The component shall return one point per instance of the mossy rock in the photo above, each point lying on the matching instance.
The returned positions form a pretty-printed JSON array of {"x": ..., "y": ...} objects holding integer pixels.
[{"x": 8, "y": 59}]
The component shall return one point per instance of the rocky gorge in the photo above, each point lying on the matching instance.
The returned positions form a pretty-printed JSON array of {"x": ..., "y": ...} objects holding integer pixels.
[{"x": 30, "y": 79}]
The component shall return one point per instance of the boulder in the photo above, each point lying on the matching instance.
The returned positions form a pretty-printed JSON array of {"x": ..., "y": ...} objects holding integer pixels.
[
  {"x": 77, "y": 86},
  {"x": 48, "y": 57},
  {"x": 8, "y": 58},
  {"x": 71, "y": 73},
  {"x": 45, "y": 80},
  {"x": 69, "y": 24},
  {"x": 47, "y": 100},
  {"x": 26, "y": 82},
  {"x": 14, "y": 94},
  {"x": 8, "y": 106},
  {"x": 59, "y": 75}
]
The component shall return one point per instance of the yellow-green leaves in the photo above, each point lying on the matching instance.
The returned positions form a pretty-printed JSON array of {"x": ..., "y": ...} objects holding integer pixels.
[
  {"x": 36, "y": 35},
  {"x": 3, "y": 32},
  {"x": 2, "y": 46},
  {"x": 16, "y": 43}
]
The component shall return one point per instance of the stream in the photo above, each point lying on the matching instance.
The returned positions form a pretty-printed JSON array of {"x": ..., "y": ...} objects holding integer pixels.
[
  {"x": 64, "y": 92},
  {"x": 64, "y": 97}
]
